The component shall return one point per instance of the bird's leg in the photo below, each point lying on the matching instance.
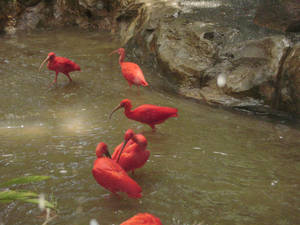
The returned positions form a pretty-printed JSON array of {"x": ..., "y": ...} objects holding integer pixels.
[
  {"x": 55, "y": 79},
  {"x": 67, "y": 74}
]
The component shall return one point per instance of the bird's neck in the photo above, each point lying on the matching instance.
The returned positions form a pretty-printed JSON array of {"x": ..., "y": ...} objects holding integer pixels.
[
  {"x": 121, "y": 58},
  {"x": 128, "y": 111}
]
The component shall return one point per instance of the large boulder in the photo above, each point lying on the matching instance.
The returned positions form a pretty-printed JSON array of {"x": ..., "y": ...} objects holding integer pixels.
[
  {"x": 209, "y": 61},
  {"x": 32, "y": 16},
  {"x": 184, "y": 50},
  {"x": 290, "y": 82},
  {"x": 251, "y": 67}
]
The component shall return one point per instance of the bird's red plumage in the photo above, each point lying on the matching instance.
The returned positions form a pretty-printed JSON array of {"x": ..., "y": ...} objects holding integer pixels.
[
  {"x": 131, "y": 71},
  {"x": 134, "y": 155},
  {"x": 60, "y": 65},
  {"x": 142, "y": 219},
  {"x": 133, "y": 74},
  {"x": 150, "y": 114},
  {"x": 111, "y": 176}
]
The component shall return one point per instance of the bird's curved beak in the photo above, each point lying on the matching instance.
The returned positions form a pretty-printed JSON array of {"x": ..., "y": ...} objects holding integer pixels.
[
  {"x": 43, "y": 63},
  {"x": 115, "y": 109},
  {"x": 115, "y": 51},
  {"x": 125, "y": 142},
  {"x": 107, "y": 154}
]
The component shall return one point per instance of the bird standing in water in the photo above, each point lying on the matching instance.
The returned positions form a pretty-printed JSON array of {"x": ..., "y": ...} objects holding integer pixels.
[
  {"x": 142, "y": 219},
  {"x": 133, "y": 155},
  {"x": 148, "y": 114},
  {"x": 131, "y": 71},
  {"x": 111, "y": 176},
  {"x": 60, "y": 65}
]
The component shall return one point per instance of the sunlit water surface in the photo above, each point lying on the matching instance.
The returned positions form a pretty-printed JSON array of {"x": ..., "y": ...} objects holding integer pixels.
[{"x": 208, "y": 165}]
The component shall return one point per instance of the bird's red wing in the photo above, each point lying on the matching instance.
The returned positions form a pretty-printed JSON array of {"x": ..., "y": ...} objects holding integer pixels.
[
  {"x": 133, "y": 159},
  {"x": 66, "y": 65},
  {"x": 142, "y": 219},
  {"x": 126, "y": 160},
  {"x": 133, "y": 73},
  {"x": 152, "y": 113},
  {"x": 110, "y": 175},
  {"x": 117, "y": 150}
]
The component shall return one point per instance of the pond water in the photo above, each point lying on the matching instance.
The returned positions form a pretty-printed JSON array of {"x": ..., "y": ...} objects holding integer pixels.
[{"x": 208, "y": 165}]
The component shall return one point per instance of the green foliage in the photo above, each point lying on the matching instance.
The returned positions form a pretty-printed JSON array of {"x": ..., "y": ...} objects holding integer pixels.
[
  {"x": 24, "y": 180},
  {"x": 8, "y": 196}
]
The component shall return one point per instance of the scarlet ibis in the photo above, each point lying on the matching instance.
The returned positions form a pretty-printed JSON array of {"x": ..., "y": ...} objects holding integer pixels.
[
  {"x": 60, "y": 65},
  {"x": 148, "y": 114},
  {"x": 127, "y": 141},
  {"x": 135, "y": 154},
  {"x": 142, "y": 219},
  {"x": 131, "y": 71},
  {"x": 111, "y": 176}
]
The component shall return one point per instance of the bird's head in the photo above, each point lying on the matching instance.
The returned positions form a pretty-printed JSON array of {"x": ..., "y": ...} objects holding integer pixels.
[
  {"x": 125, "y": 103},
  {"x": 128, "y": 135},
  {"x": 120, "y": 51},
  {"x": 140, "y": 140},
  {"x": 102, "y": 149},
  {"x": 50, "y": 56}
]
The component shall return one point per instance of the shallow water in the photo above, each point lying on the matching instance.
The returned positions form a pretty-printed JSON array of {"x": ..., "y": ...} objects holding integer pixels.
[{"x": 207, "y": 165}]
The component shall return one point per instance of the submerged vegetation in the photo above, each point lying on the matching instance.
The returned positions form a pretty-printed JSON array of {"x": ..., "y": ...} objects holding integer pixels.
[{"x": 8, "y": 195}]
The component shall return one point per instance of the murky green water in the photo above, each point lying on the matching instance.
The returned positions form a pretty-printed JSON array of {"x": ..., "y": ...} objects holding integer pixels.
[{"x": 206, "y": 165}]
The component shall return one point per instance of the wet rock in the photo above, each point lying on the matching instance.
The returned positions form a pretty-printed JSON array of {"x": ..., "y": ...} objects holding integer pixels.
[
  {"x": 94, "y": 8},
  {"x": 29, "y": 3},
  {"x": 185, "y": 51},
  {"x": 251, "y": 66},
  {"x": 279, "y": 15},
  {"x": 31, "y": 17},
  {"x": 290, "y": 82}
]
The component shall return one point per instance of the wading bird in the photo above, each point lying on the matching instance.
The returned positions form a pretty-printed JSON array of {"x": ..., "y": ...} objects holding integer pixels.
[
  {"x": 131, "y": 71},
  {"x": 60, "y": 65},
  {"x": 142, "y": 219},
  {"x": 133, "y": 155},
  {"x": 148, "y": 114},
  {"x": 111, "y": 176}
]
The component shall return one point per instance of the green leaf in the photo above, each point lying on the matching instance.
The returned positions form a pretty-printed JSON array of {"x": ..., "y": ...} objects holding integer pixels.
[
  {"x": 16, "y": 195},
  {"x": 36, "y": 201},
  {"x": 24, "y": 180},
  {"x": 25, "y": 196}
]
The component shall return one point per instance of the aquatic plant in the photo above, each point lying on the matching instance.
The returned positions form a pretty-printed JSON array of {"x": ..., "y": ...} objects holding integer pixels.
[{"x": 8, "y": 195}]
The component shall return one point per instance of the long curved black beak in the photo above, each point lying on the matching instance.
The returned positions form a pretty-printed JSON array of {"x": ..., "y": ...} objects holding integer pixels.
[
  {"x": 125, "y": 142},
  {"x": 108, "y": 154},
  {"x": 43, "y": 63},
  {"x": 115, "y": 51},
  {"x": 115, "y": 109}
]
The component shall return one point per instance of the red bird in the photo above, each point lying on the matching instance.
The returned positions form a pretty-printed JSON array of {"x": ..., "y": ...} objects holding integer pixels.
[
  {"x": 60, "y": 65},
  {"x": 148, "y": 114},
  {"x": 131, "y": 71},
  {"x": 135, "y": 155},
  {"x": 111, "y": 176},
  {"x": 127, "y": 142},
  {"x": 142, "y": 219}
]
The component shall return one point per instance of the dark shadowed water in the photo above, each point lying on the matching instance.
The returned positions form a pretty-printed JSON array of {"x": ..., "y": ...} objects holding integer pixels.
[{"x": 207, "y": 165}]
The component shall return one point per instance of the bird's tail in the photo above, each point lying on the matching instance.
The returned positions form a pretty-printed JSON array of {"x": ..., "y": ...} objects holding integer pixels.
[
  {"x": 77, "y": 67},
  {"x": 144, "y": 83},
  {"x": 132, "y": 188},
  {"x": 174, "y": 112}
]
